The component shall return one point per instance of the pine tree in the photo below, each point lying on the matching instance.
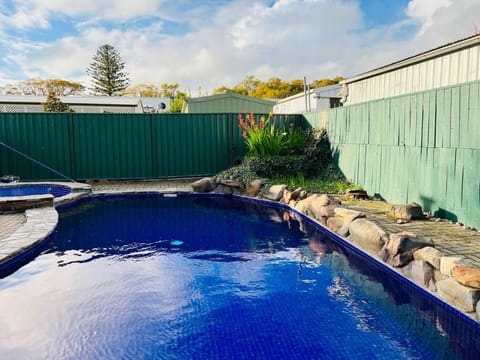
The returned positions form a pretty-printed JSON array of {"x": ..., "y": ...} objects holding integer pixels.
[
  {"x": 53, "y": 104},
  {"x": 106, "y": 71}
]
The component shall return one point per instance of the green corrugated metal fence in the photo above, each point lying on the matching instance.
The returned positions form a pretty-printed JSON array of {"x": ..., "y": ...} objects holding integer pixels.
[
  {"x": 122, "y": 146},
  {"x": 422, "y": 147}
]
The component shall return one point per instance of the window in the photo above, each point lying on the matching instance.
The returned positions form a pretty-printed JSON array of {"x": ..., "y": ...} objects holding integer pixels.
[{"x": 335, "y": 102}]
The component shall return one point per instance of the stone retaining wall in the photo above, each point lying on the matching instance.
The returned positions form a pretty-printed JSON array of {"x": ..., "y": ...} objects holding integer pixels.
[{"x": 450, "y": 278}]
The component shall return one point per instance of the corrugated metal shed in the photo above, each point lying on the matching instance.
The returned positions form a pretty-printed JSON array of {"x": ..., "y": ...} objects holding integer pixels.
[
  {"x": 81, "y": 104},
  {"x": 323, "y": 98},
  {"x": 450, "y": 64},
  {"x": 228, "y": 103}
]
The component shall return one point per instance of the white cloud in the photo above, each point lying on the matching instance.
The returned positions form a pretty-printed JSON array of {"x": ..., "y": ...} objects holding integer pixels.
[
  {"x": 424, "y": 11},
  {"x": 104, "y": 9},
  {"x": 224, "y": 42}
]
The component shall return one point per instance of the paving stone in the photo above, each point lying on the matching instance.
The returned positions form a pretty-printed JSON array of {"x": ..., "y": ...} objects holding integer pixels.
[
  {"x": 9, "y": 223},
  {"x": 449, "y": 239}
]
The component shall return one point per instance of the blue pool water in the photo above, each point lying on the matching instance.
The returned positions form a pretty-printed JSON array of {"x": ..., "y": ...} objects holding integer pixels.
[
  {"x": 34, "y": 189},
  {"x": 194, "y": 277}
]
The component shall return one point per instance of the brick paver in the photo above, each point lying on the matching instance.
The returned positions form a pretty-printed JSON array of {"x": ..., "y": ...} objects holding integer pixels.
[
  {"x": 450, "y": 239},
  {"x": 9, "y": 223}
]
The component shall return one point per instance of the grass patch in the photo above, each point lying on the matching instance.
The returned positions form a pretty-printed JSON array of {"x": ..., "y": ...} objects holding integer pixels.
[
  {"x": 331, "y": 181},
  {"x": 316, "y": 185}
]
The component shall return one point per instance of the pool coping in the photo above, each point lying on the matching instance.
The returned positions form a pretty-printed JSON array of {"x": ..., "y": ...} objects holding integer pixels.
[
  {"x": 34, "y": 233},
  {"x": 41, "y": 219},
  {"x": 39, "y": 224},
  {"x": 21, "y": 203}
]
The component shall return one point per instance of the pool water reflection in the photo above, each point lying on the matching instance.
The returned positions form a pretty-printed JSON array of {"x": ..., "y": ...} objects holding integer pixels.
[{"x": 201, "y": 277}]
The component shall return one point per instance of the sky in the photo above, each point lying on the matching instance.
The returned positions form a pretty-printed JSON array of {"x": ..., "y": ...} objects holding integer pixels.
[{"x": 204, "y": 44}]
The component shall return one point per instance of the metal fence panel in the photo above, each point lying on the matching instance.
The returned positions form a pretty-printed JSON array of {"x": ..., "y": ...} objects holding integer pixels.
[
  {"x": 44, "y": 137},
  {"x": 112, "y": 146},
  {"x": 124, "y": 146},
  {"x": 421, "y": 147}
]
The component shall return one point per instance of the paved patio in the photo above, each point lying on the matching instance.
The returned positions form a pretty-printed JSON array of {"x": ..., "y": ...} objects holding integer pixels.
[
  {"x": 9, "y": 223},
  {"x": 451, "y": 239}
]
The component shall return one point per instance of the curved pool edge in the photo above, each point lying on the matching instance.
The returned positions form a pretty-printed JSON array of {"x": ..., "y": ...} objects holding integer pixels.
[
  {"x": 24, "y": 243},
  {"x": 41, "y": 218},
  {"x": 29, "y": 232}
]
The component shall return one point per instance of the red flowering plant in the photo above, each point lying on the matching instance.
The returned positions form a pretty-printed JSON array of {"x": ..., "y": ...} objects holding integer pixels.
[{"x": 263, "y": 139}]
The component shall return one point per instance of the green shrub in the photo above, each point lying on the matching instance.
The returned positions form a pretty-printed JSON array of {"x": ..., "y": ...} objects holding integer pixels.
[
  {"x": 295, "y": 141},
  {"x": 242, "y": 172},
  {"x": 317, "y": 151},
  {"x": 296, "y": 158},
  {"x": 274, "y": 166}
]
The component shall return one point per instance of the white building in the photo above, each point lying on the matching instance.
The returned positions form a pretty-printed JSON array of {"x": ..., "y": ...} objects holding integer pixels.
[
  {"x": 323, "y": 98},
  {"x": 79, "y": 104},
  {"x": 454, "y": 63}
]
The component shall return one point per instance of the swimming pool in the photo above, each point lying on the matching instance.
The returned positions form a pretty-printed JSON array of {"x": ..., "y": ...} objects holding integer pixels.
[
  {"x": 213, "y": 277},
  {"x": 34, "y": 189}
]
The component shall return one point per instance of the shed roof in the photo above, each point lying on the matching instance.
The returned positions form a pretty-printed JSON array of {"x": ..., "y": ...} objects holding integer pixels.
[
  {"x": 228, "y": 102},
  {"x": 330, "y": 91},
  {"x": 230, "y": 95},
  {"x": 423, "y": 56},
  {"x": 73, "y": 100}
]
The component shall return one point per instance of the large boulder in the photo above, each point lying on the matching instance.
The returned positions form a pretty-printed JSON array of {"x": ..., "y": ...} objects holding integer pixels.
[
  {"x": 478, "y": 310},
  {"x": 466, "y": 275},
  {"x": 232, "y": 183},
  {"x": 275, "y": 192},
  {"x": 254, "y": 187},
  {"x": 410, "y": 211},
  {"x": 421, "y": 273},
  {"x": 347, "y": 216},
  {"x": 286, "y": 197},
  {"x": 447, "y": 263},
  {"x": 319, "y": 212},
  {"x": 430, "y": 255},
  {"x": 319, "y": 207},
  {"x": 463, "y": 297},
  {"x": 304, "y": 204},
  {"x": 325, "y": 200},
  {"x": 367, "y": 235},
  {"x": 398, "y": 250},
  {"x": 204, "y": 185},
  {"x": 298, "y": 194},
  {"x": 335, "y": 223},
  {"x": 355, "y": 194},
  {"x": 348, "y": 213},
  {"x": 223, "y": 189}
]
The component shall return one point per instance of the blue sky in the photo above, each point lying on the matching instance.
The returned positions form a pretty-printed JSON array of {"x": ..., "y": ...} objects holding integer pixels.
[{"x": 203, "y": 44}]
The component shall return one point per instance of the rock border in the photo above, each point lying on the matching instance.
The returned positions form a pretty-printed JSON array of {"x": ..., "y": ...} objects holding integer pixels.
[{"x": 450, "y": 278}]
